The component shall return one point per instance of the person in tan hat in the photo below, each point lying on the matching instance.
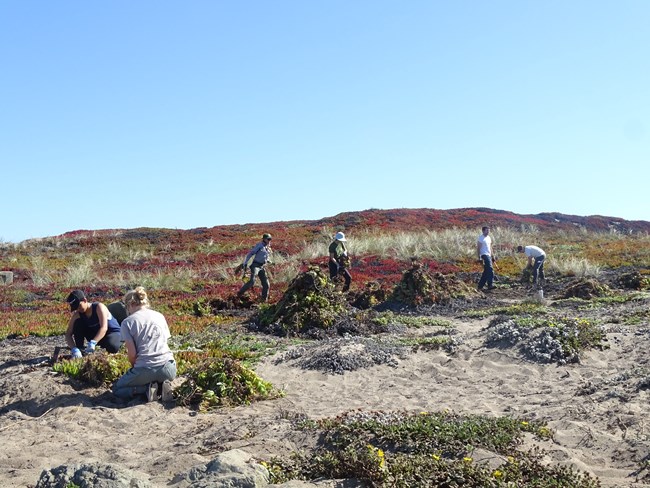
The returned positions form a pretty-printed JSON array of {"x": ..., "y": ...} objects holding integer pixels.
[
  {"x": 261, "y": 254},
  {"x": 339, "y": 261}
]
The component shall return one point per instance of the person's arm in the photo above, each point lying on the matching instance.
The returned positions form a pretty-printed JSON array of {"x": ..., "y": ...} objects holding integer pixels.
[
  {"x": 332, "y": 250},
  {"x": 69, "y": 339},
  {"x": 530, "y": 261},
  {"x": 478, "y": 249},
  {"x": 250, "y": 254},
  {"x": 102, "y": 314},
  {"x": 131, "y": 351}
]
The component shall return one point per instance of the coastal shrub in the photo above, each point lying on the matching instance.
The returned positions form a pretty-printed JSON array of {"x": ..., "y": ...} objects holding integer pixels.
[
  {"x": 219, "y": 382},
  {"x": 560, "y": 340},
  {"x": 563, "y": 340},
  {"x": 400, "y": 449}
]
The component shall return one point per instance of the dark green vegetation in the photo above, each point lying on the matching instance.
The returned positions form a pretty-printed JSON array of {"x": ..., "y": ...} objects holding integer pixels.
[{"x": 399, "y": 449}]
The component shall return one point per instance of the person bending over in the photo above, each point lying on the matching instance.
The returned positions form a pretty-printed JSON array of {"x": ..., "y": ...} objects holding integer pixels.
[
  {"x": 90, "y": 322},
  {"x": 536, "y": 257}
]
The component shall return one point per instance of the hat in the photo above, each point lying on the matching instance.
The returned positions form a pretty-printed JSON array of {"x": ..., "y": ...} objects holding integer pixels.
[
  {"x": 266, "y": 236},
  {"x": 75, "y": 298},
  {"x": 340, "y": 236}
]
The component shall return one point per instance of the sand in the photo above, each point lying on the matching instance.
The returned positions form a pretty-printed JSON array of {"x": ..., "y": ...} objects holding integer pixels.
[{"x": 46, "y": 420}]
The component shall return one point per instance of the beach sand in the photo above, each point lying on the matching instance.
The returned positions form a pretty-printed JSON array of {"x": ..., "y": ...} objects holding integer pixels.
[{"x": 597, "y": 408}]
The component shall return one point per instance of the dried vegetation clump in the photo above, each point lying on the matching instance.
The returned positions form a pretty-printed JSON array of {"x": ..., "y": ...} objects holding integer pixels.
[
  {"x": 310, "y": 307},
  {"x": 634, "y": 280},
  {"x": 373, "y": 294},
  {"x": 341, "y": 354},
  {"x": 586, "y": 289},
  {"x": 420, "y": 287}
]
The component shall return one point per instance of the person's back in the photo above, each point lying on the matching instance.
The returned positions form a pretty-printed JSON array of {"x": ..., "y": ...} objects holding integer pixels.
[
  {"x": 93, "y": 320},
  {"x": 149, "y": 331}
]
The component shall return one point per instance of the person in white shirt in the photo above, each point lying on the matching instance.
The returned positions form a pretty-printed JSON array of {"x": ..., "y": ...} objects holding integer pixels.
[
  {"x": 536, "y": 257},
  {"x": 487, "y": 257}
]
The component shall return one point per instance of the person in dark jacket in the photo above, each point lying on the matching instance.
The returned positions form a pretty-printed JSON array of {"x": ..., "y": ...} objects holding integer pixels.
[
  {"x": 91, "y": 322},
  {"x": 339, "y": 260},
  {"x": 261, "y": 254}
]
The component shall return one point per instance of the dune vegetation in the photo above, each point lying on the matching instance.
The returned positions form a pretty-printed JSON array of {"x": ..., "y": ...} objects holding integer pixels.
[{"x": 404, "y": 260}]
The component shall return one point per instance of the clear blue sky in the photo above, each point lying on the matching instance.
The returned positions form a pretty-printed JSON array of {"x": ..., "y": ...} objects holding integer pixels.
[{"x": 122, "y": 114}]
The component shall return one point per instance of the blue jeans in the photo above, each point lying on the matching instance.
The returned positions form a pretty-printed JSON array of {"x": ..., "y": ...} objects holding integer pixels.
[
  {"x": 134, "y": 382},
  {"x": 488, "y": 272}
]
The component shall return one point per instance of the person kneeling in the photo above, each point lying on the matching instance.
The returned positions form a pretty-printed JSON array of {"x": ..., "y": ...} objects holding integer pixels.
[
  {"x": 91, "y": 322},
  {"x": 145, "y": 333}
]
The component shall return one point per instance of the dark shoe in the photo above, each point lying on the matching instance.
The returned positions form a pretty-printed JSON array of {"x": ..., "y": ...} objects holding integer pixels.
[
  {"x": 152, "y": 391},
  {"x": 491, "y": 287}
]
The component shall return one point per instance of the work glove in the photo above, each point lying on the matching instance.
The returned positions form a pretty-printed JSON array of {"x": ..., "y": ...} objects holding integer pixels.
[
  {"x": 90, "y": 348},
  {"x": 76, "y": 353}
]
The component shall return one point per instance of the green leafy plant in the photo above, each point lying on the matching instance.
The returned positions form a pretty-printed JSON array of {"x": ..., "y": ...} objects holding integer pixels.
[
  {"x": 398, "y": 449},
  {"x": 217, "y": 382},
  {"x": 95, "y": 369}
]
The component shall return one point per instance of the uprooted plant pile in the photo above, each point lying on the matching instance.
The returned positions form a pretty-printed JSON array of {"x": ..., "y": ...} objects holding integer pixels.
[
  {"x": 420, "y": 287},
  {"x": 310, "y": 306},
  {"x": 586, "y": 289},
  {"x": 217, "y": 382},
  {"x": 635, "y": 281}
]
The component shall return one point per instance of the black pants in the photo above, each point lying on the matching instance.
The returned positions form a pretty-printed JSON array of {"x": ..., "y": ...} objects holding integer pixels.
[
  {"x": 257, "y": 269},
  {"x": 488, "y": 272},
  {"x": 336, "y": 269},
  {"x": 81, "y": 333}
]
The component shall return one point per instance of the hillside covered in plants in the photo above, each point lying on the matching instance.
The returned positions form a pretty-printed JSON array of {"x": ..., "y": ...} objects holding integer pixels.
[{"x": 412, "y": 378}]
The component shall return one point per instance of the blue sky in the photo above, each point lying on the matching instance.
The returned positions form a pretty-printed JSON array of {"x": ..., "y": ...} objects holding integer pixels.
[{"x": 125, "y": 114}]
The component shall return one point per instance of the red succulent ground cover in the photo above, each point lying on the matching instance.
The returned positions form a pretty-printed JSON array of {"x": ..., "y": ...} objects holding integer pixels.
[{"x": 209, "y": 253}]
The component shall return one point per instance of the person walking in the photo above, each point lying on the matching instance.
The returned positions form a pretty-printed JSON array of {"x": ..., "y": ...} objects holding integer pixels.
[
  {"x": 339, "y": 261},
  {"x": 536, "y": 257},
  {"x": 261, "y": 254},
  {"x": 91, "y": 322},
  {"x": 487, "y": 257},
  {"x": 145, "y": 332}
]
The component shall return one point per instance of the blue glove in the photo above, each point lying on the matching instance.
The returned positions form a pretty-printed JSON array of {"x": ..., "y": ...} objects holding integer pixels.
[
  {"x": 90, "y": 348},
  {"x": 76, "y": 353}
]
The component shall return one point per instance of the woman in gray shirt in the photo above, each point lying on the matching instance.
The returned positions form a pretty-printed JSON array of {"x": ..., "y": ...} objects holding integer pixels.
[{"x": 145, "y": 333}]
